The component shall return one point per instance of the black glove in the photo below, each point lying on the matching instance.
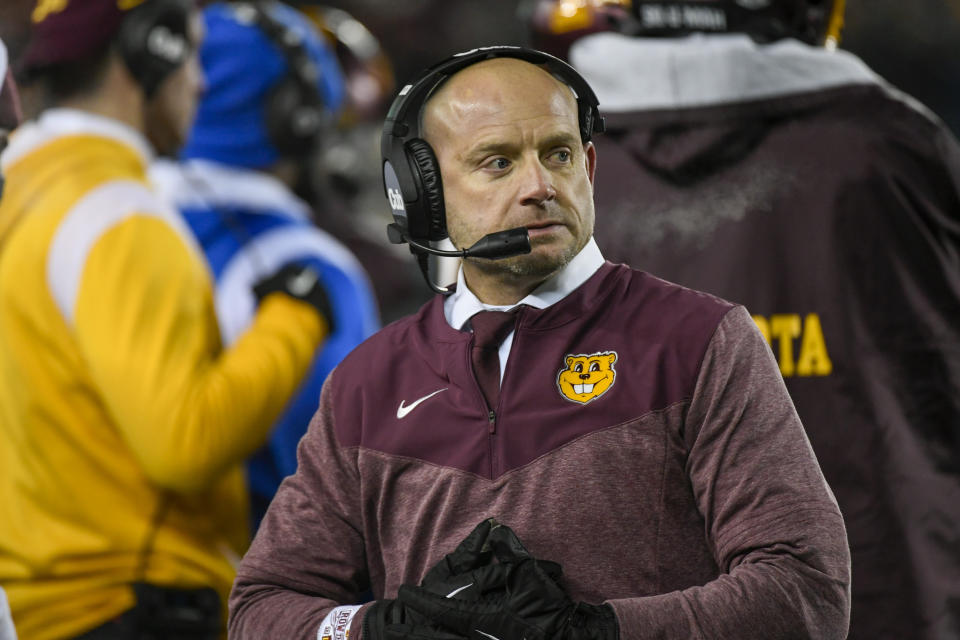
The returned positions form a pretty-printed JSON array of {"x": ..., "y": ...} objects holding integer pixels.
[
  {"x": 478, "y": 568},
  {"x": 531, "y": 606},
  {"x": 390, "y": 620},
  {"x": 300, "y": 282},
  {"x": 467, "y": 573}
]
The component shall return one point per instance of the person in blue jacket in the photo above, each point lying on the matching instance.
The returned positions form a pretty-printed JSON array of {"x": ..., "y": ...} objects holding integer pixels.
[{"x": 273, "y": 88}]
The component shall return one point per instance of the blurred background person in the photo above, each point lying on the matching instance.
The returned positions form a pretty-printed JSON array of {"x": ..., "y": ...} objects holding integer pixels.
[
  {"x": 747, "y": 157},
  {"x": 911, "y": 44},
  {"x": 124, "y": 423},
  {"x": 342, "y": 182},
  {"x": 273, "y": 90}
]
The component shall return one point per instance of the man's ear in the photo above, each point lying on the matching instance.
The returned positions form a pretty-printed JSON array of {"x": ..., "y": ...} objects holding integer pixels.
[{"x": 590, "y": 158}]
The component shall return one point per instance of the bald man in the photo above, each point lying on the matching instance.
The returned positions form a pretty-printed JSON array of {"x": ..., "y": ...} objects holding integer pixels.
[{"x": 640, "y": 435}]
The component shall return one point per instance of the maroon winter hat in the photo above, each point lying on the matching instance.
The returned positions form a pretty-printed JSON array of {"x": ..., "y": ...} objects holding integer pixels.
[{"x": 65, "y": 30}]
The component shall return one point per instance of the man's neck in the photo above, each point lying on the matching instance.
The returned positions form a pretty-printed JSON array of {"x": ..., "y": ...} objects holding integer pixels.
[
  {"x": 107, "y": 108},
  {"x": 117, "y": 98},
  {"x": 499, "y": 289}
]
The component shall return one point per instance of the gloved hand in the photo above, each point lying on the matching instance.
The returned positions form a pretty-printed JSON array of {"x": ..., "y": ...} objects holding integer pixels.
[
  {"x": 300, "y": 282},
  {"x": 388, "y": 619},
  {"x": 521, "y": 599},
  {"x": 479, "y": 566},
  {"x": 467, "y": 573}
]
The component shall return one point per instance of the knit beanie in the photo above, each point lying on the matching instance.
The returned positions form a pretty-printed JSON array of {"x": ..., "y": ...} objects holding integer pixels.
[
  {"x": 241, "y": 65},
  {"x": 65, "y": 30}
]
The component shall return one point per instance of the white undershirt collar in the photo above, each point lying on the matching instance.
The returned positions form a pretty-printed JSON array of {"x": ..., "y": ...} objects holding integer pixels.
[
  {"x": 61, "y": 122},
  {"x": 463, "y": 303},
  {"x": 459, "y": 307}
]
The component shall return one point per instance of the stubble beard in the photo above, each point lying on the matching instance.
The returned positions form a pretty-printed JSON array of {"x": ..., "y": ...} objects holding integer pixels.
[{"x": 529, "y": 266}]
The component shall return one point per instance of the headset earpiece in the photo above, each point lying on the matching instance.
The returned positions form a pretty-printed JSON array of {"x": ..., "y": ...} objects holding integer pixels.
[
  {"x": 295, "y": 117},
  {"x": 154, "y": 41},
  {"x": 295, "y": 111},
  {"x": 428, "y": 172}
]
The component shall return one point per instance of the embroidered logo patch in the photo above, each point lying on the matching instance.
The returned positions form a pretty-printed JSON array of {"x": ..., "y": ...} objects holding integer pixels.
[{"x": 587, "y": 377}]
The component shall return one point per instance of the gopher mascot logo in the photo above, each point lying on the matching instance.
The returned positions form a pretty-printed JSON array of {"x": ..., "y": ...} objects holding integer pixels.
[{"x": 587, "y": 377}]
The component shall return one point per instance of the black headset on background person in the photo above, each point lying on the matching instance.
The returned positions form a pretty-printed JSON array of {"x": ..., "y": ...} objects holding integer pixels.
[
  {"x": 295, "y": 112},
  {"x": 411, "y": 174},
  {"x": 154, "y": 40}
]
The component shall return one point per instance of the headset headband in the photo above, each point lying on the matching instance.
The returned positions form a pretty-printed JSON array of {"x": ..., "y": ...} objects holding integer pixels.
[
  {"x": 403, "y": 119},
  {"x": 295, "y": 111}
]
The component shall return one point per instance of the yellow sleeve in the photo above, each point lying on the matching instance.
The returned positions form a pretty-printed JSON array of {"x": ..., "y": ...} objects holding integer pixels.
[{"x": 145, "y": 324}]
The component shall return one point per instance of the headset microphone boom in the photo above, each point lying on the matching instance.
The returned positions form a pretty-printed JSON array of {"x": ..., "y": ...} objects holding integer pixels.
[{"x": 493, "y": 246}]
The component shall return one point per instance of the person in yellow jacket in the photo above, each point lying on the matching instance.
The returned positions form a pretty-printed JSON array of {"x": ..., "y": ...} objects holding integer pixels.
[{"x": 123, "y": 421}]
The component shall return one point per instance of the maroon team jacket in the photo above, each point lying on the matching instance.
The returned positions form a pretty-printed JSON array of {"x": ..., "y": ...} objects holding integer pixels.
[{"x": 643, "y": 438}]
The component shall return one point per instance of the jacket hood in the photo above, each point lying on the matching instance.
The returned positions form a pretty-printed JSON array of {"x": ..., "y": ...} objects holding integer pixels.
[{"x": 692, "y": 86}]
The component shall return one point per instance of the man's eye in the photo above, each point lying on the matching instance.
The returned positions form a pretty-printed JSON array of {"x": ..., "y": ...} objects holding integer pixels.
[
  {"x": 562, "y": 155},
  {"x": 499, "y": 163}
]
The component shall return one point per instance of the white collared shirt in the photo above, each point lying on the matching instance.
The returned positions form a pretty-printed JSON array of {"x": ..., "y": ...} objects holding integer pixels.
[{"x": 463, "y": 304}]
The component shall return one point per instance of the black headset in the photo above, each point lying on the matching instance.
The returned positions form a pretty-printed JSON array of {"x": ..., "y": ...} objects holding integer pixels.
[
  {"x": 295, "y": 112},
  {"x": 154, "y": 40},
  {"x": 411, "y": 174}
]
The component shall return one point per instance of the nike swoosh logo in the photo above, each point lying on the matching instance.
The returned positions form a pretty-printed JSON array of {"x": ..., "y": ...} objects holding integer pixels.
[
  {"x": 458, "y": 590},
  {"x": 402, "y": 411},
  {"x": 488, "y": 635}
]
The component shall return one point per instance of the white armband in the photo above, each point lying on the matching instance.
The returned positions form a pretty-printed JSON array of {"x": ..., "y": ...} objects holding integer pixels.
[{"x": 336, "y": 626}]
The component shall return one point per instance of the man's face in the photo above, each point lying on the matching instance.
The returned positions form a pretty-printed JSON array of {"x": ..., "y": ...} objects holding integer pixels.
[
  {"x": 507, "y": 140},
  {"x": 171, "y": 110}
]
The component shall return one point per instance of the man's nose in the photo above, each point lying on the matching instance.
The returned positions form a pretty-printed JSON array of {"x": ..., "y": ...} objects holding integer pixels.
[{"x": 537, "y": 186}]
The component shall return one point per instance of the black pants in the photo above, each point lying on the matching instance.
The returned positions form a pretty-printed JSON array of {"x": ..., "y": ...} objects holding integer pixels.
[{"x": 165, "y": 614}]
